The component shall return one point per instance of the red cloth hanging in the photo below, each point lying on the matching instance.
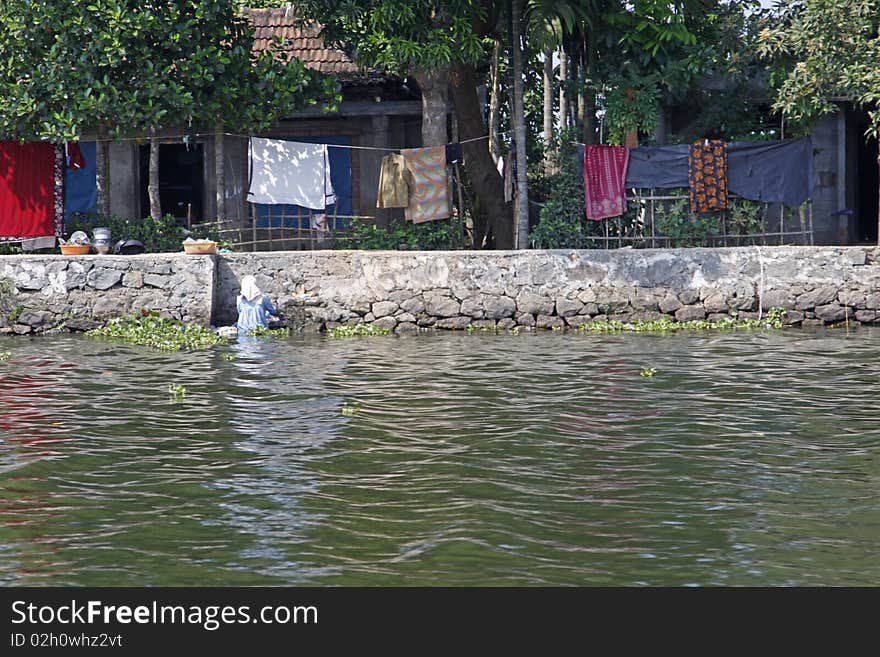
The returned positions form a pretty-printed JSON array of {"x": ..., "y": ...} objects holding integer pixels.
[
  {"x": 27, "y": 185},
  {"x": 605, "y": 180},
  {"x": 75, "y": 158}
]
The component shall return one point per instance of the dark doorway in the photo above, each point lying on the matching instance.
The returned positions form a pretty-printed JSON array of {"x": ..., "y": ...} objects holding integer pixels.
[
  {"x": 867, "y": 184},
  {"x": 181, "y": 180}
]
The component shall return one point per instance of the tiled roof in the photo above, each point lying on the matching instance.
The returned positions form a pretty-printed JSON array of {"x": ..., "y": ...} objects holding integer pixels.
[{"x": 301, "y": 40}]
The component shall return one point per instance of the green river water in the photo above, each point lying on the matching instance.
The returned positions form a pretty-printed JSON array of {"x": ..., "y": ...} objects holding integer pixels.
[{"x": 749, "y": 458}]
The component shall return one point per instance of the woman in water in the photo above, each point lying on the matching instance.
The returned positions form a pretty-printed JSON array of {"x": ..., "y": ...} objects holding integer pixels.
[{"x": 254, "y": 308}]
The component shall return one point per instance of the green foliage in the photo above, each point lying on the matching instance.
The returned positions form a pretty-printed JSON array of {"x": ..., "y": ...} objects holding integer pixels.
[
  {"x": 15, "y": 313},
  {"x": 357, "y": 330},
  {"x": 163, "y": 235},
  {"x": 157, "y": 332},
  {"x": 350, "y": 410},
  {"x": 5, "y": 356},
  {"x": 401, "y": 35},
  {"x": 228, "y": 357},
  {"x": 263, "y": 332},
  {"x": 830, "y": 48},
  {"x": 442, "y": 235},
  {"x": 632, "y": 104},
  {"x": 773, "y": 319},
  {"x": 6, "y": 287},
  {"x": 647, "y": 372},
  {"x": 177, "y": 392},
  {"x": 124, "y": 66},
  {"x": 562, "y": 222}
]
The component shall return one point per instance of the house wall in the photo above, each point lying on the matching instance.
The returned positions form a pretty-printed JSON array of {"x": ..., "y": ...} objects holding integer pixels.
[{"x": 406, "y": 291}]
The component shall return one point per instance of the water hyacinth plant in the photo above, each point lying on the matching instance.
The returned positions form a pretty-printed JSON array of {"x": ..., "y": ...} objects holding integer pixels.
[
  {"x": 263, "y": 332},
  {"x": 162, "y": 333},
  {"x": 357, "y": 330},
  {"x": 177, "y": 392},
  {"x": 773, "y": 319}
]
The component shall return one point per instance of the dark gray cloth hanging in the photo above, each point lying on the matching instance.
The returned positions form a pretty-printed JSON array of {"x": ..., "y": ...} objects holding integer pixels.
[
  {"x": 773, "y": 172},
  {"x": 770, "y": 171}
]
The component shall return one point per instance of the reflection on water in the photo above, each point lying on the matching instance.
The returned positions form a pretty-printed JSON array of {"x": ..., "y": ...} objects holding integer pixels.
[{"x": 749, "y": 458}]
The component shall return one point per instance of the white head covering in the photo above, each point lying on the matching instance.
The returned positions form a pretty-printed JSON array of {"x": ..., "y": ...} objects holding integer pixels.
[{"x": 249, "y": 289}]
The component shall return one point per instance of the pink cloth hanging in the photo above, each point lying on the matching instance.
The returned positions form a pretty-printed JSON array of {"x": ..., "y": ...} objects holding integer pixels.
[{"x": 605, "y": 180}]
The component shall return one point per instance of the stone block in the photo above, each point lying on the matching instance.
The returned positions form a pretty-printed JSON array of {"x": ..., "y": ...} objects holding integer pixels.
[
  {"x": 406, "y": 327},
  {"x": 413, "y": 305},
  {"x": 715, "y": 303},
  {"x": 499, "y": 307},
  {"x": 568, "y": 307},
  {"x": 689, "y": 297},
  {"x": 793, "y": 317},
  {"x": 506, "y": 323},
  {"x": 384, "y": 308},
  {"x": 577, "y": 320},
  {"x": 386, "y": 322},
  {"x": 549, "y": 322},
  {"x": 441, "y": 305},
  {"x": 155, "y": 280},
  {"x": 832, "y": 312},
  {"x": 690, "y": 313},
  {"x": 473, "y": 307},
  {"x": 525, "y": 319},
  {"x": 820, "y": 296},
  {"x": 534, "y": 304},
  {"x": 778, "y": 299},
  {"x": 453, "y": 323},
  {"x": 867, "y": 316},
  {"x": 133, "y": 279},
  {"x": 669, "y": 304}
]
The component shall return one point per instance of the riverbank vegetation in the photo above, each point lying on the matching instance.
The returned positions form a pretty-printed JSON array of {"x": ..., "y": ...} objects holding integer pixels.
[
  {"x": 773, "y": 319},
  {"x": 358, "y": 330},
  {"x": 157, "y": 332}
]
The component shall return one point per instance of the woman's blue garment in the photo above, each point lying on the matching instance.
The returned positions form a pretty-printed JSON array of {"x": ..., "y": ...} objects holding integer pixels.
[{"x": 252, "y": 314}]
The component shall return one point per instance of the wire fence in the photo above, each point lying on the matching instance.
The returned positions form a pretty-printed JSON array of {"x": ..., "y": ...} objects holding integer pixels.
[
  {"x": 664, "y": 220},
  {"x": 653, "y": 220}
]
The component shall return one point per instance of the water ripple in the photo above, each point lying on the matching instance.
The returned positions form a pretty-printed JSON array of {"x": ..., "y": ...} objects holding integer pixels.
[{"x": 540, "y": 459}]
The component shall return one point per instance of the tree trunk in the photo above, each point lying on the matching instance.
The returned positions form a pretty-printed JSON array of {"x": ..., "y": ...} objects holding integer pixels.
[
  {"x": 493, "y": 217},
  {"x": 563, "y": 80},
  {"x": 495, "y": 103},
  {"x": 102, "y": 172},
  {"x": 548, "y": 108},
  {"x": 153, "y": 186},
  {"x": 220, "y": 170},
  {"x": 519, "y": 132},
  {"x": 434, "y": 86}
]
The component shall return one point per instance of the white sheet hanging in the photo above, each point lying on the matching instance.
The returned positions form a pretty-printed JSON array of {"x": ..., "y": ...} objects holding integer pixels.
[{"x": 290, "y": 172}]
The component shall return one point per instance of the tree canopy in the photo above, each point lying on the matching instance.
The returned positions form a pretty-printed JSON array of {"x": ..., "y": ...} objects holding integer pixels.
[
  {"x": 831, "y": 49},
  {"x": 68, "y": 67}
]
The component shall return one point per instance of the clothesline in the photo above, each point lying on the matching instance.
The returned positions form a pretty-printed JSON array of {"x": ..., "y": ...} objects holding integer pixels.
[{"x": 167, "y": 138}]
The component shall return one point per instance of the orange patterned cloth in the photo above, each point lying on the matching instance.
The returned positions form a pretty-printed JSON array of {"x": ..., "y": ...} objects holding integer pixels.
[
  {"x": 707, "y": 175},
  {"x": 428, "y": 194}
]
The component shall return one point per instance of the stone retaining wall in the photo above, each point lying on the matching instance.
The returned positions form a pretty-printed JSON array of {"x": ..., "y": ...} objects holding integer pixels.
[
  {"x": 405, "y": 291},
  {"x": 41, "y": 293},
  {"x": 451, "y": 290}
]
